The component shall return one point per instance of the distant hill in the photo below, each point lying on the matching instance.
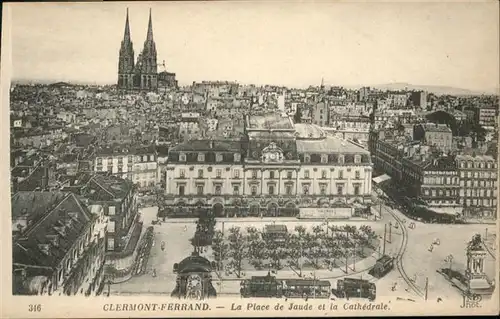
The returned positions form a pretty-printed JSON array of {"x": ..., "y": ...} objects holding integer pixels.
[{"x": 436, "y": 89}]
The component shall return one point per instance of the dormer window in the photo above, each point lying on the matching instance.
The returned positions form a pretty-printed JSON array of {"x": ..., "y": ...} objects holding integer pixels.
[
  {"x": 341, "y": 159},
  {"x": 307, "y": 158},
  {"x": 324, "y": 159},
  {"x": 357, "y": 159},
  {"x": 237, "y": 157},
  {"x": 218, "y": 157},
  {"x": 201, "y": 157},
  {"x": 182, "y": 157},
  {"x": 44, "y": 248}
]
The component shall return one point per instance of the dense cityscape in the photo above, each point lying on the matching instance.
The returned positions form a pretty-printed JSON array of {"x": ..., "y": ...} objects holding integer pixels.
[{"x": 227, "y": 189}]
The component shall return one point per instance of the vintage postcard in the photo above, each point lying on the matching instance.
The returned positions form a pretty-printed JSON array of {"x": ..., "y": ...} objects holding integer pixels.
[{"x": 247, "y": 158}]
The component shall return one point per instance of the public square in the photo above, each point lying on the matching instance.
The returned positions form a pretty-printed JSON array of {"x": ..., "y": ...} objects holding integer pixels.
[{"x": 417, "y": 261}]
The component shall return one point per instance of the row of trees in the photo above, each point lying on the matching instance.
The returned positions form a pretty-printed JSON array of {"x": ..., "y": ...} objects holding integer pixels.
[{"x": 321, "y": 248}]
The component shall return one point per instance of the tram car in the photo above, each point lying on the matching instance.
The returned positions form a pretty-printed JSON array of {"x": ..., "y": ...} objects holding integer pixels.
[
  {"x": 270, "y": 287},
  {"x": 383, "y": 265},
  {"x": 194, "y": 278},
  {"x": 355, "y": 288},
  {"x": 261, "y": 287},
  {"x": 312, "y": 288}
]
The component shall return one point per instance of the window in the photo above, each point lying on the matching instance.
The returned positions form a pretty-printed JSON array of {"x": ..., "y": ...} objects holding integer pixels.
[
  {"x": 111, "y": 226},
  {"x": 322, "y": 189},
  {"x": 324, "y": 159},
  {"x": 201, "y": 157},
  {"x": 271, "y": 174},
  {"x": 271, "y": 190},
  {"x": 357, "y": 174},
  {"x": 341, "y": 174},
  {"x": 199, "y": 189},
  {"x": 254, "y": 190},
  {"x": 182, "y": 173},
  {"x": 236, "y": 190},
  {"x": 130, "y": 159},
  {"x": 120, "y": 159},
  {"x": 356, "y": 189},
  {"x": 307, "y": 158},
  {"x": 340, "y": 189},
  {"x": 305, "y": 189},
  {"x": 111, "y": 210},
  {"x": 323, "y": 173},
  {"x": 357, "y": 159},
  {"x": 306, "y": 173},
  {"x": 341, "y": 159},
  {"x": 151, "y": 158},
  {"x": 218, "y": 189},
  {"x": 218, "y": 173},
  {"x": 182, "y": 157},
  {"x": 236, "y": 173},
  {"x": 99, "y": 161},
  {"x": 254, "y": 174},
  {"x": 144, "y": 158},
  {"x": 111, "y": 243},
  {"x": 288, "y": 189},
  {"x": 218, "y": 157},
  {"x": 289, "y": 174},
  {"x": 181, "y": 190},
  {"x": 200, "y": 173}
]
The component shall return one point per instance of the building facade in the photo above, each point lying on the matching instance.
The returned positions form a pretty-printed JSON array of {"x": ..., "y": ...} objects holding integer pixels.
[
  {"x": 277, "y": 169},
  {"x": 138, "y": 164},
  {"x": 58, "y": 245},
  {"x": 478, "y": 185},
  {"x": 433, "y": 134}
]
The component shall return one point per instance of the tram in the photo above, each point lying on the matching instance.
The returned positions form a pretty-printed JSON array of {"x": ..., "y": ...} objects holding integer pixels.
[
  {"x": 383, "y": 265},
  {"x": 355, "y": 288},
  {"x": 194, "y": 278},
  {"x": 312, "y": 288},
  {"x": 270, "y": 287}
]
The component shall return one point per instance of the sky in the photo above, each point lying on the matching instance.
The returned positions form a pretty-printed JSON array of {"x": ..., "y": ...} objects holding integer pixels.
[{"x": 281, "y": 43}]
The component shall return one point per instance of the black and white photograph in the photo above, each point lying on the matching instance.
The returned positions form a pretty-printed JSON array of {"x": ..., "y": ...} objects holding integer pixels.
[{"x": 235, "y": 158}]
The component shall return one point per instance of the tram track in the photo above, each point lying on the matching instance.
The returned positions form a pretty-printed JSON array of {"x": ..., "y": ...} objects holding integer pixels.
[{"x": 399, "y": 256}]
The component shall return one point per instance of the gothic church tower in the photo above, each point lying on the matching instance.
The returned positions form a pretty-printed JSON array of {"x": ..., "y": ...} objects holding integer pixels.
[{"x": 126, "y": 60}]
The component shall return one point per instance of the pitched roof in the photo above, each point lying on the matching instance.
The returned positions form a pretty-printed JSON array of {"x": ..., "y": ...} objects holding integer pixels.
[
  {"x": 208, "y": 145},
  {"x": 55, "y": 221},
  {"x": 330, "y": 144}
]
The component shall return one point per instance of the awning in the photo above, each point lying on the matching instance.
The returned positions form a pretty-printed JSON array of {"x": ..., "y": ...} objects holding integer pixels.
[{"x": 381, "y": 178}]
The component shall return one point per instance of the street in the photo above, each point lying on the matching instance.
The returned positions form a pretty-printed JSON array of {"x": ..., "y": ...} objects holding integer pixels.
[{"x": 414, "y": 261}]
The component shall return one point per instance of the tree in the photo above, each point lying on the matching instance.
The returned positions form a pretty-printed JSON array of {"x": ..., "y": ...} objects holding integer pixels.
[
  {"x": 159, "y": 199},
  {"x": 256, "y": 247},
  {"x": 295, "y": 248},
  {"x": 297, "y": 117},
  {"x": 275, "y": 251},
  {"x": 237, "y": 249},
  {"x": 220, "y": 249},
  {"x": 332, "y": 251},
  {"x": 314, "y": 251},
  {"x": 294, "y": 252}
]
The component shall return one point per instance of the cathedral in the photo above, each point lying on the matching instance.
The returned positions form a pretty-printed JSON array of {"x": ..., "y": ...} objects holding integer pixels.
[{"x": 143, "y": 74}]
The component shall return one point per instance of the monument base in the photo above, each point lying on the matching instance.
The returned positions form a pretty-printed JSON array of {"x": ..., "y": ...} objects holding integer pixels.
[{"x": 481, "y": 286}]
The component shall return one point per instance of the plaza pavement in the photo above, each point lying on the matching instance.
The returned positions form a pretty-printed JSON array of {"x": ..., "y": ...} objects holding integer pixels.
[{"x": 176, "y": 233}]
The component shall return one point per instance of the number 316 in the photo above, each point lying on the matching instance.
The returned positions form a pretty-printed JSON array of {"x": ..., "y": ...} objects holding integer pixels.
[{"x": 35, "y": 308}]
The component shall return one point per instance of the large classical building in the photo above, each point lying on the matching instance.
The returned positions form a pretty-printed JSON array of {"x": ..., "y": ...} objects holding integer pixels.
[
  {"x": 143, "y": 73},
  {"x": 278, "y": 168}
]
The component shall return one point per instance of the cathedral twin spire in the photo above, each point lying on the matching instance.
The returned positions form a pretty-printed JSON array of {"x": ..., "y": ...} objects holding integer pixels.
[{"x": 147, "y": 59}]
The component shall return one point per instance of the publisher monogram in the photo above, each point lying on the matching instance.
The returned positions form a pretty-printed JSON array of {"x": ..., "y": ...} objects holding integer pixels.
[{"x": 471, "y": 301}]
